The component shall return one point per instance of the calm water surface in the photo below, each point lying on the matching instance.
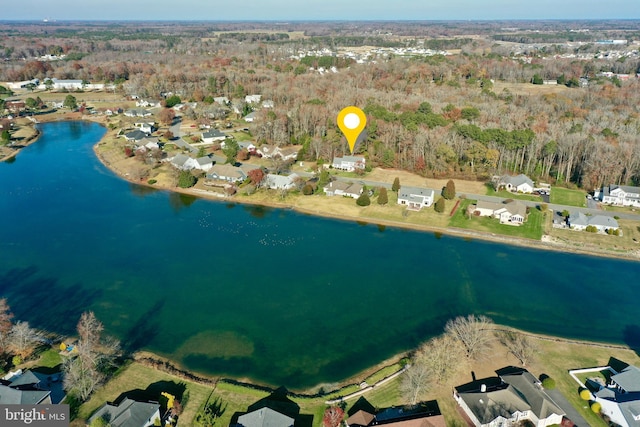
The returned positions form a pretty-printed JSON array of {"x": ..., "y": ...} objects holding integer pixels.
[{"x": 283, "y": 298}]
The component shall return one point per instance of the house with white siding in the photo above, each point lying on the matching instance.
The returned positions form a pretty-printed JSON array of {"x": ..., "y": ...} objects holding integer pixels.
[
  {"x": 512, "y": 397},
  {"x": 620, "y": 195},
  {"x": 512, "y": 213},
  {"x": 580, "y": 221},
  {"x": 516, "y": 184},
  {"x": 415, "y": 198},
  {"x": 349, "y": 163},
  {"x": 345, "y": 189}
]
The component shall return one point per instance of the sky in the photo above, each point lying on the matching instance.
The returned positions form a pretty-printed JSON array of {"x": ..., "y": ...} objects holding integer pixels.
[{"x": 283, "y": 10}]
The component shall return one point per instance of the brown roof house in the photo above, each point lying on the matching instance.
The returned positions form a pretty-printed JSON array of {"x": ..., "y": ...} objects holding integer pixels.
[{"x": 424, "y": 414}]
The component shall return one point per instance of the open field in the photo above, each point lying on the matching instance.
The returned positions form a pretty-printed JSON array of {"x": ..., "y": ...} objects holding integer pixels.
[
  {"x": 411, "y": 179},
  {"x": 509, "y": 195},
  {"x": 565, "y": 196},
  {"x": 529, "y": 88}
]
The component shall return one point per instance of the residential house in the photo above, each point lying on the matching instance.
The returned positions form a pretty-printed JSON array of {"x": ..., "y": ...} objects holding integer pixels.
[
  {"x": 15, "y": 107},
  {"x": 137, "y": 112},
  {"x": 280, "y": 182},
  {"x": 620, "y": 396},
  {"x": 150, "y": 143},
  {"x": 146, "y": 127},
  {"x": 424, "y": 414},
  {"x": 222, "y": 100},
  {"x": 248, "y": 145},
  {"x": 346, "y": 189},
  {"x": 213, "y": 135},
  {"x": 274, "y": 151},
  {"x": 516, "y": 184},
  {"x": 267, "y": 103},
  {"x": 17, "y": 396},
  {"x": 415, "y": 198},
  {"x": 58, "y": 84},
  {"x": 22, "y": 84},
  {"x": 38, "y": 382},
  {"x": 580, "y": 221},
  {"x": 620, "y": 195},
  {"x": 250, "y": 117},
  {"x": 514, "y": 396},
  {"x": 128, "y": 413},
  {"x": 144, "y": 103},
  {"x": 275, "y": 410},
  {"x": 183, "y": 162},
  {"x": 513, "y": 212},
  {"x": 349, "y": 163},
  {"x": 227, "y": 172},
  {"x": 135, "y": 136}
]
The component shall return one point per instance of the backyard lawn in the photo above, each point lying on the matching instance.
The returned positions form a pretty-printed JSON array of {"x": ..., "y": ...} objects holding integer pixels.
[
  {"x": 531, "y": 229},
  {"x": 509, "y": 195}
]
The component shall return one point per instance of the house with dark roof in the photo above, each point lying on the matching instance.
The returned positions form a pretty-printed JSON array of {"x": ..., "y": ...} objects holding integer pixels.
[
  {"x": 516, "y": 184},
  {"x": 17, "y": 396},
  {"x": 424, "y": 414},
  {"x": 275, "y": 410},
  {"x": 513, "y": 396},
  {"x": 213, "y": 135},
  {"x": 128, "y": 413},
  {"x": 38, "y": 382},
  {"x": 135, "y": 136},
  {"x": 620, "y": 195},
  {"x": 415, "y": 198}
]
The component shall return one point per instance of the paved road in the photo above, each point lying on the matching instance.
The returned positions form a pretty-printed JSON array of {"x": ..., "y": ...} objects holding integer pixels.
[{"x": 588, "y": 210}]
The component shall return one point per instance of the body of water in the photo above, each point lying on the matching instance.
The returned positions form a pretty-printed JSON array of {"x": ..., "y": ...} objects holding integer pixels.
[{"x": 269, "y": 294}]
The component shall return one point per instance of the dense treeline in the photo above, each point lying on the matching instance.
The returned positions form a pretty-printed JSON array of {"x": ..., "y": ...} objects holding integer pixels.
[{"x": 437, "y": 116}]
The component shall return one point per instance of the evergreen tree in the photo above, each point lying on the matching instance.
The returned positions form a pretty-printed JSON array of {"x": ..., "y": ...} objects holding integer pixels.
[
  {"x": 70, "y": 102},
  {"x": 186, "y": 179},
  {"x": 439, "y": 206},
  {"x": 396, "y": 184},
  {"x": 449, "y": 191},
  {"x": 363, "y": 200},
  {"x": 383, "y": 199}
]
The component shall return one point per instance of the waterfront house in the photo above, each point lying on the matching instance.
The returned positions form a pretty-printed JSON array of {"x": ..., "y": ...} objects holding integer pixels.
[
  {"x": 579, "y": 221},
  {"x": 620, "y": 195},
  {"x": 423, "y": 414},
  {"x": 349, "y": 163},
  {"x": 514, "y": 396},
  {"x": 275, "y": 410},
  {"x": 226, "y": 172},
  {"x": 616, "y": 387},
  {"x": 415, "y": 198},
  {"x": 274, "y": 151},
  {"x": 128, "y": 413},
  {"x": 513, "y": 212},
  {"x": 346, "y": 189},
  {"x": 135, "y": 136},
  {"x": 280, "y": 182},
  {"x": 516, "y": 184}
]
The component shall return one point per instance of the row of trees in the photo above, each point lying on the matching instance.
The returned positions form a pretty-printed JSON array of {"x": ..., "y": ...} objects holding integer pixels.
[{"x": 465, "y": 339}]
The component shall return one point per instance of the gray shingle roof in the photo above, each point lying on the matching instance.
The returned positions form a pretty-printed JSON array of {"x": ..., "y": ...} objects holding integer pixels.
[
  {"x": 265, "y": 417},
  {"x": 628, "y": 379},
  {"x": 11, "y": 396},
  {"x": 128, "y": 413}
]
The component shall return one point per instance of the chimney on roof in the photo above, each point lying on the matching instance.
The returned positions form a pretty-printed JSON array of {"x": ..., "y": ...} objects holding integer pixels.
[{"x": 483, "y": 388}]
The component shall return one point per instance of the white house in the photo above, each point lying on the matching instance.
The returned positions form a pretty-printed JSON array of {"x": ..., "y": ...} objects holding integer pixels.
[
  {"x": 516, "y": 184},
  {"x": 146, "y": 127},
  {"x": 346, "y": 189},
  {"x": 602, "y": 223},
  {"x": 512, "y": 397},
  {"x": 137, "y": 112},
  {"x": 349, "y": 163},
  {"x": 280, "y": 182},
  {"x": 213, "y": 135},
  {"x": 273, "y": 151},
  {"x": 620, "y": 195},
  {"x": 184, "y": 162},
  {"x": 250, "y": 117},
  {"x": 415, "y": 198},
  {"x": 513, "y": 213},
  {"x": 620, "y": 399}
]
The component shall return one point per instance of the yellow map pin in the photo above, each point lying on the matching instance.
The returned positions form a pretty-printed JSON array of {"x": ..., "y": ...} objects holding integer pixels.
[{"x": 351, "y": 121}]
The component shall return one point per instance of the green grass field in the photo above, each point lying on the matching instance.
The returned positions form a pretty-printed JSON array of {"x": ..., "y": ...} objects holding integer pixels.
[
  {"x": 564, "y": 196},
  {"x": 531, "y": 229},
  {"x": 509, "y": 195}
]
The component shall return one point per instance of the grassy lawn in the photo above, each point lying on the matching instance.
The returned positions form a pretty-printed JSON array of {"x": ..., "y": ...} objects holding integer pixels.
[
  {"x": 509, "y": 195},
  {"x": 629, "y": 241},
  {"x": 531, "y": 229},
  {"x": 145, "y": 383},
  {"x": 564, "y": 196}
]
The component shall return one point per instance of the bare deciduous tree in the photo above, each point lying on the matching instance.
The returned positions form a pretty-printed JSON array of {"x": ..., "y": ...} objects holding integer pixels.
[
  {"x": 87, "y": 370},
  {"x": 416, "y": 382},
  {"x": 5, "y": 324},
  {"x": 474, "y": 332},
  {"x": 520, "y": 345},
  {"x": 23, "y": 339},
  {"x": 444, "y": 356}
]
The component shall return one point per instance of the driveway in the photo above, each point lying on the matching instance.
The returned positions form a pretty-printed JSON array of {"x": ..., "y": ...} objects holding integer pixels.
[{"x": 568, "y": 408}]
